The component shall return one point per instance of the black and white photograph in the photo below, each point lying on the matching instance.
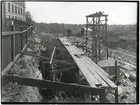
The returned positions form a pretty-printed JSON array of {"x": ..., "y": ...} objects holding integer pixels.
[{"x": 69, "y": 52}]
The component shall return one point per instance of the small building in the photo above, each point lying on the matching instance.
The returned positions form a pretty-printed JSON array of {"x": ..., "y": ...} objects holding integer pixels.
[{"x": 109, "y": 66}]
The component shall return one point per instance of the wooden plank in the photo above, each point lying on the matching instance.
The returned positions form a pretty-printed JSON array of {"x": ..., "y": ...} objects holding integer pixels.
[
  {"x": 95, "y": 74},
  {"x": 52, "y": 55},
  {"x": 106, "y": 79},
  {"x": 99, "y": 68},
  {"x": 47, "y": 58},
  {"x": 96, "y": 67},
  {"x": 91, "y": 70},
  {"x": 7, "y": 68},
  {"x": 91, "y": 79},
  {"x": 53, "y": 85},
  {"x": 63, "y": 70}
]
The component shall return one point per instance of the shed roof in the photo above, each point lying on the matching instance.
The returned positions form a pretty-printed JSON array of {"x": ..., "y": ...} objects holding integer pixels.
[
  {"x": 107, "y": 62},
  {"x": 96, "y": 14}
]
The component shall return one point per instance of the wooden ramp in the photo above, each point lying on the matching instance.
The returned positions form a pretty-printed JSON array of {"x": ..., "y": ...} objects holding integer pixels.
[{"x": 95, "y": 75}]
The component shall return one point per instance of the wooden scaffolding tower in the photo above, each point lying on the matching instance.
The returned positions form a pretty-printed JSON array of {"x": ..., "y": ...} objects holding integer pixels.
[{"x": 97, "y": 22}]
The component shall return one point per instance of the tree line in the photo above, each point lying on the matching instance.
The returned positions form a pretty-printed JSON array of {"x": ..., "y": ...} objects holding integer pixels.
[
  {"x": 55, "y": 28},
  {"x": 61, "y": 28}
]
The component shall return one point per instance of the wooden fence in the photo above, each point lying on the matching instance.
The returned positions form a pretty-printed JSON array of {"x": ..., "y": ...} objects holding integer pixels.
[{"x": 12, "y": 44}]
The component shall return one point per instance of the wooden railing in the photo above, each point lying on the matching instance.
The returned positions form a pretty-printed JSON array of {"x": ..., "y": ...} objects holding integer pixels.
[{"x": 12, "y": 43}]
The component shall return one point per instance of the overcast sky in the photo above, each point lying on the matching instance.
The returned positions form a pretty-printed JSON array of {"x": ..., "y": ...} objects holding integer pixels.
[{"x": 75, "y": 12}]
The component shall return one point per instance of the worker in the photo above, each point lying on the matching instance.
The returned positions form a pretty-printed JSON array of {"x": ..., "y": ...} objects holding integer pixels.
[
  {"x": 82, "y": 31},
  {"x": 69, "y": 32}
]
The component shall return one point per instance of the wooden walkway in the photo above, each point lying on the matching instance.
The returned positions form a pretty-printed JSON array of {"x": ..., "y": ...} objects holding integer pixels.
[{"x": 95, "y": 75}]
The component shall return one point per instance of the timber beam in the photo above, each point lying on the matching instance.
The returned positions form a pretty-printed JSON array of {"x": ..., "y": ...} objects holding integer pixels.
[{"x": 53, "y": 85}]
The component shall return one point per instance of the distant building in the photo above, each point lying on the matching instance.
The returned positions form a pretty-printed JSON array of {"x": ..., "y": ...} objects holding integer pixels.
[
  {"x": 3, "y": 14},
  {"x": 14, "y": 10}
]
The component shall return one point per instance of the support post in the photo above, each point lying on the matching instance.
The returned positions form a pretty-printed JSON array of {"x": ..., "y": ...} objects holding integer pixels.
[
  {"x": 86, "y": 26},
  {"x": 86, "y": 44},
  {"x": 99, "y": 49},
  {"x": 21, "y": 38},
  {"x": 106, "y": 36},
  {"x": 99, "y": 23},
  {"x": 12, "y": 42},
  {"x": 12, "y": 50},
  {"x": 116, "y": 71},
  {"x": 103, "y": 97},
  {"x": 83, "y": 46},
  {"x": 116, "y": 95},
  {"x": 95, "y": 42},
  {"x": 26, "y": 34},
  {"x": 31, "y": 32}
]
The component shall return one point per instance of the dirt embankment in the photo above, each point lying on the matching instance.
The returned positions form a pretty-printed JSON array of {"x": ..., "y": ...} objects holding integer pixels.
[{"x": 26, "y": 66}]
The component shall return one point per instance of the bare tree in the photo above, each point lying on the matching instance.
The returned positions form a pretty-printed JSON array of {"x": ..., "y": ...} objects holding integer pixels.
[{"x": 28, "y": 18}]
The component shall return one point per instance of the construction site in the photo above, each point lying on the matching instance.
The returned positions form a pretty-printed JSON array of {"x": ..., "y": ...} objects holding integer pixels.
[{"x": 57, "y": 68}]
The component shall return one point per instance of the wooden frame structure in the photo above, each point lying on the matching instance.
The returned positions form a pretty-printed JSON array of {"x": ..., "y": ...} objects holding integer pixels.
[{"x": 98, "y": 24}]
